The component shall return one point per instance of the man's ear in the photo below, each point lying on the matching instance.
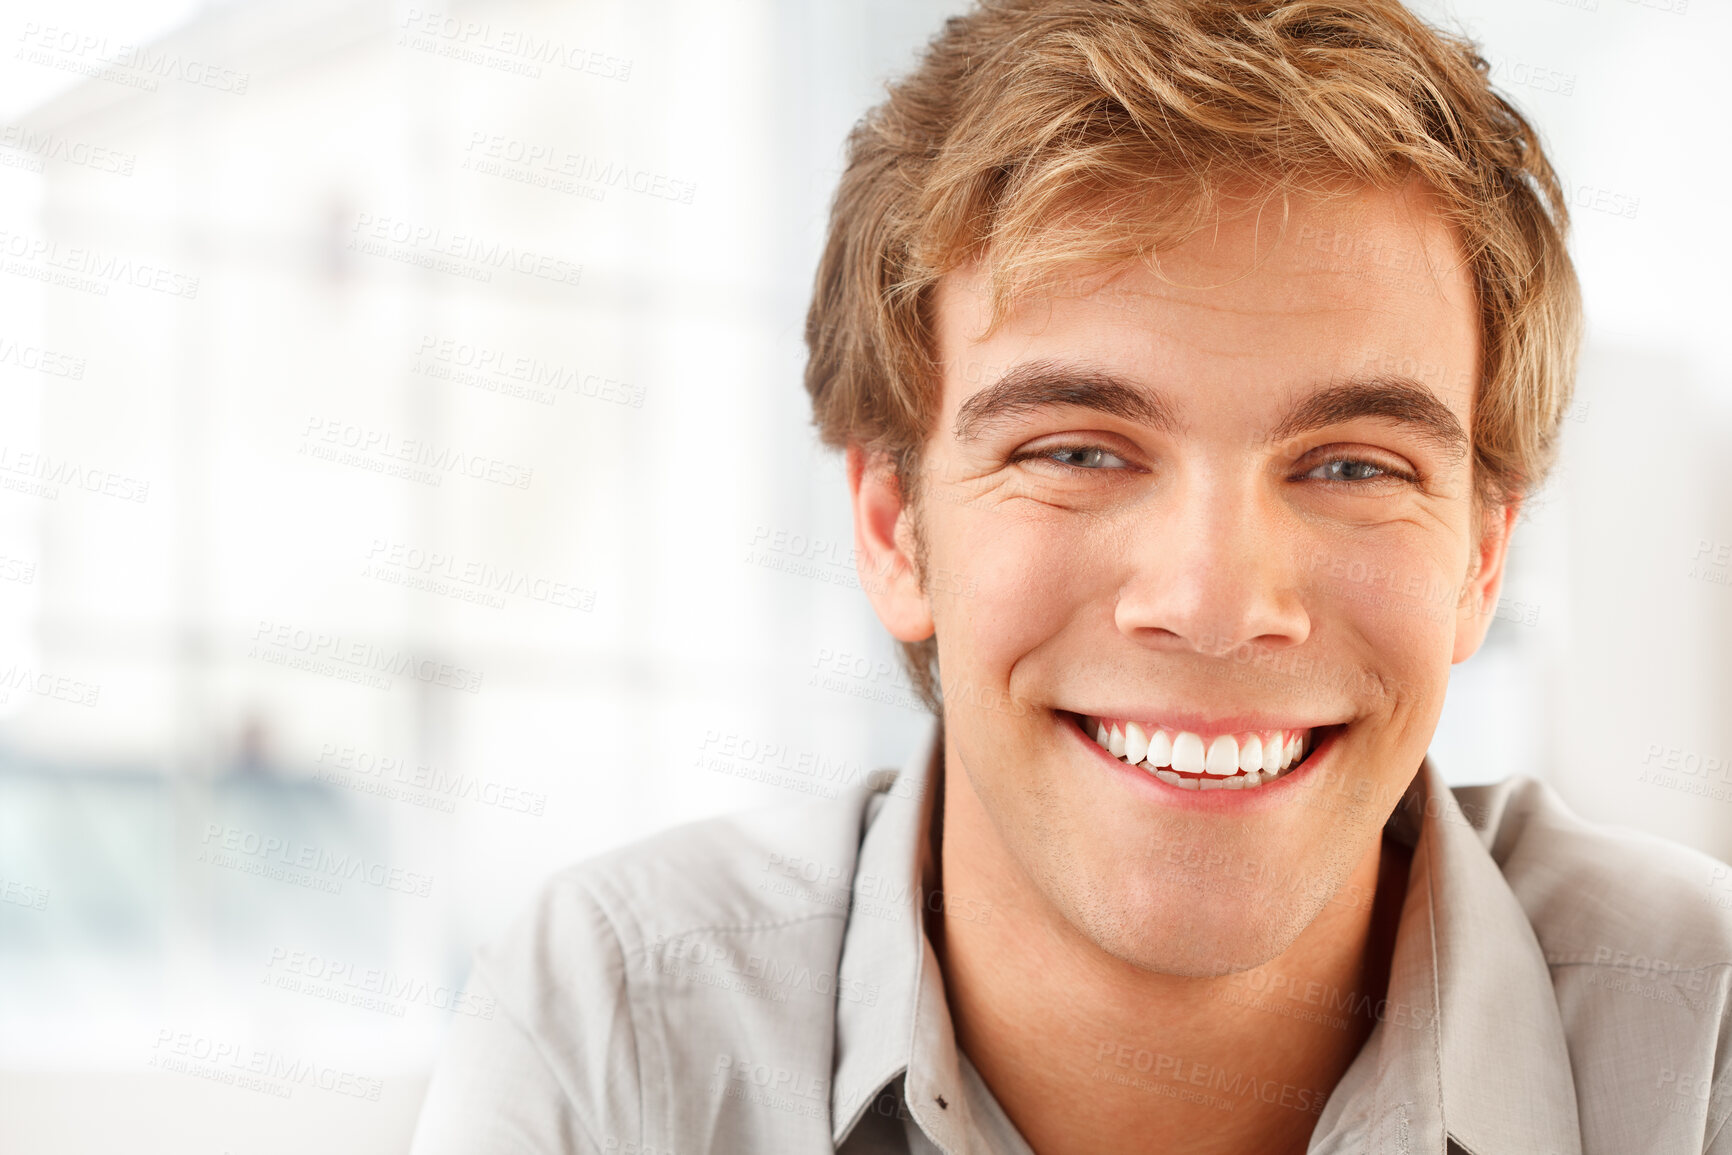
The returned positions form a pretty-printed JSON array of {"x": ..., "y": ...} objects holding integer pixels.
[
  {"x": 1485, "y": 581},
  {"x": 884, "y": 546}
]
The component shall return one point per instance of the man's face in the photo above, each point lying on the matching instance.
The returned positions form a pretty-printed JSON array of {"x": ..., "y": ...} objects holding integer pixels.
[{"x": 1233, "y": 499}]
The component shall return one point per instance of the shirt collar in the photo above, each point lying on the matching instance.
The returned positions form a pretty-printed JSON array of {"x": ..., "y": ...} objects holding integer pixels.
[
  {"x": 908, "y": 1030},
  {"x": 1469, "y": 1045},
  {"x": 884, "y": 945}
]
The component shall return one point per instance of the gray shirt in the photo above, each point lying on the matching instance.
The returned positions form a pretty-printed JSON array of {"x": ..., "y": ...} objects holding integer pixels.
[{"x": 762, "y": 983}]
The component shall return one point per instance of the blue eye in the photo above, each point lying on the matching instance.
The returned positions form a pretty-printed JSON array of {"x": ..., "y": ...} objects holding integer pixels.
[
  {"x": 1085, "y": 457},
  {"x": 1349, "y": 469}
]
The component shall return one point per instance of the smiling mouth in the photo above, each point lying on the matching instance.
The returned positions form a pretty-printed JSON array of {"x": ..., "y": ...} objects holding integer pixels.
[{"x": 1193, "y": 761}]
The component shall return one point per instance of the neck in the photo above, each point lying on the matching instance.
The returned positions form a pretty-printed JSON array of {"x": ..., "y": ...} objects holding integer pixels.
[{"x": 1087, "y": 1053}]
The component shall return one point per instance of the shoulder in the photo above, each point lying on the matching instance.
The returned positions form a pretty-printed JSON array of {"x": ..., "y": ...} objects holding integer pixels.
[
  {"x": 751, "y": 868},
  {"x": 1592, "y": 889},
  {"x": 1637, "y": 935},
  {"x": 593, "y": 921},
  {"x": 629, "y": 974}
]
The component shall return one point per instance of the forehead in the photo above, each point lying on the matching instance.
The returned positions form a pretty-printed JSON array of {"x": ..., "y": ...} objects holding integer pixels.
[{"x": 1266, "y": 300}]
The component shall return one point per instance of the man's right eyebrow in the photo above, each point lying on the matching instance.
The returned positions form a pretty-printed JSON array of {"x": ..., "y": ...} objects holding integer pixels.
[{"x": 1035, "y": 385}]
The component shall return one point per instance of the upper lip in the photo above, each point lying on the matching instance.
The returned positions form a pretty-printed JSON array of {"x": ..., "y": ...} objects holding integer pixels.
[{"x": 1198, "y": 723}]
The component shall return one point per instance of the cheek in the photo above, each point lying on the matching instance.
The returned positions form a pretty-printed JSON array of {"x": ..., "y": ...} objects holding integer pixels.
[
  {"x": 1397, "y": 601},
  {"x": 1008, "y": 582}
]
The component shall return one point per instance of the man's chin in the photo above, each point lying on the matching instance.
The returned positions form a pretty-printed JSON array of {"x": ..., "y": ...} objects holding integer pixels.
[{"x": 1183, "y": 933}]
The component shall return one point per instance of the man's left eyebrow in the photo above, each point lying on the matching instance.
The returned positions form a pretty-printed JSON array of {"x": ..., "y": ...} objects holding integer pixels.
[{"x": 1398, "y": 399}]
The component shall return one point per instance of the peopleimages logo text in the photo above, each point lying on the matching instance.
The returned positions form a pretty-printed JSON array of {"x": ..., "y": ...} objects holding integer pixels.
[
  {"x": 288, "y": 853},
  {"x": 364, "y": 656},
  {"x": 371, "y": 231},
  {"x": 113, "y": 268}
]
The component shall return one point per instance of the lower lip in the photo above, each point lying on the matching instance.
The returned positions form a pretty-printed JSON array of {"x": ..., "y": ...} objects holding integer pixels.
[{"x": 1234, "y": 801}]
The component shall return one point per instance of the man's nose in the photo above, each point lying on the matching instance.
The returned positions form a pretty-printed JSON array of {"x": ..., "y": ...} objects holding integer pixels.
[{"x": 1211, "y": 568}]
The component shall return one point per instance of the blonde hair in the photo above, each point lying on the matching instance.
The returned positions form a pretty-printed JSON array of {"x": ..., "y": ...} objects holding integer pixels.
[{"x": 1038, "y": 135}]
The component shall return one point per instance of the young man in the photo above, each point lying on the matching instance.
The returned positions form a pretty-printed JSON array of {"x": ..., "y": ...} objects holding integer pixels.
[{"x": 1192, "y": 359}]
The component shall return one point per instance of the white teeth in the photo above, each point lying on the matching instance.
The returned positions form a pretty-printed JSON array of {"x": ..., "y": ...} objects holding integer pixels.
[
  {"x": 1160, "y": 749},
  {"x": 1188, "y": 753},
  {"x": 1229, "y": 762},
  {"x": 1136, "y": 743}
]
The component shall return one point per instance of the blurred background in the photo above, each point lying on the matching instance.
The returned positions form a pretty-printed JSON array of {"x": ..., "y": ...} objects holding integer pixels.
[{"x": 406, "y": 489}]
